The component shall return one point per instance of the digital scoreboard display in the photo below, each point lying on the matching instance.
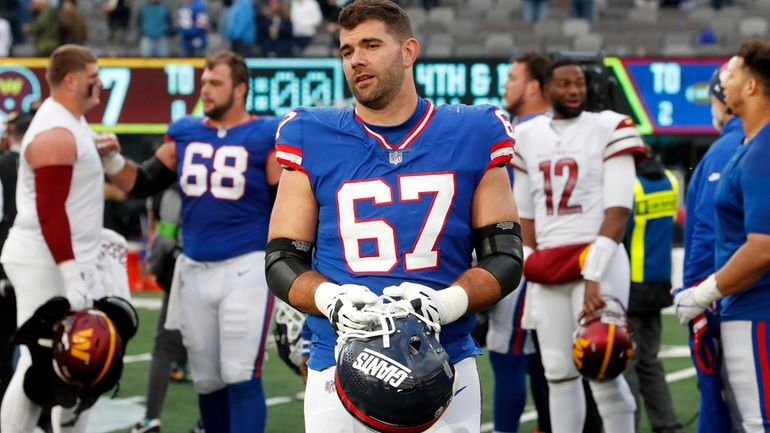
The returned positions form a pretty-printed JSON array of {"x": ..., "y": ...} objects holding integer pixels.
[
  {"x": 141, "y": 96},
  {"x": 667, "y": 95}
]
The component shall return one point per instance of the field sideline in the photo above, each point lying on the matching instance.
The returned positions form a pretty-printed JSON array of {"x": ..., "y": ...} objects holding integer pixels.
[{"x": 281, "y": 385}]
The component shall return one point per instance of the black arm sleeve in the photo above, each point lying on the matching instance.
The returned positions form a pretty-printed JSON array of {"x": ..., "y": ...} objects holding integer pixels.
[
  {"x": 285, "y": 260},
  {"x": 152, "y": 177},
  {"x": 499, "y": 251}
]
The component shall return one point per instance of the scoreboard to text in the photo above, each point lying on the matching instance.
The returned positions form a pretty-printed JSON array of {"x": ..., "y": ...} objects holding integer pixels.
[
  {"x": 141, "y": 96},
  {"x": 667, "y": 95}
]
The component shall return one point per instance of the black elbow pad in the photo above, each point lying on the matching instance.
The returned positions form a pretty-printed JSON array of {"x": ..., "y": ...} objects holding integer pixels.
[
  {"x": 499, "y": 251},
  {"x": 152, "y": 177},
  {"x": 285, "y": 260}
]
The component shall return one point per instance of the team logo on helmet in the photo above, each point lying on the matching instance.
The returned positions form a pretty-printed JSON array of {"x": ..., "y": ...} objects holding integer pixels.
[
  {"x": 396, "y": 378},
  {"x": 85, "y": 345},
  {"x": 19, "y": 88},
  {"x": 603, "y": 345}
]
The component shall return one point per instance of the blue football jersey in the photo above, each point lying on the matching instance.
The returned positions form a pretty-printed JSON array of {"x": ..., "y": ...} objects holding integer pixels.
[
  {"x": 390, "y": 213},
  {"x": 699, "y": 226},
  {"x": 226, "y": 201},
  {"x": 743, "y": 207}
]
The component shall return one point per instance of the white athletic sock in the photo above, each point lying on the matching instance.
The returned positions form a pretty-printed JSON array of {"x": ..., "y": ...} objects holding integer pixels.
[
  {"x": 616, "y": 404},
  {"x": 567, "y": 405}
]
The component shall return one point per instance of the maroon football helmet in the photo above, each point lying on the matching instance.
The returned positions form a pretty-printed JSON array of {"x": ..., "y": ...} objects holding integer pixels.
[
  {"x": 603, "y": 345},
  {"x": 86, "y": 346}
]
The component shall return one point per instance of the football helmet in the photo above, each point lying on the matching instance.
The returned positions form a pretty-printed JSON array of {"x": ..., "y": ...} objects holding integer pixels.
[
  {"x": 288, "y": 334},
  {"x": 86, "y": 344},
  {"x": 395, "y": 377},
  {"x": 73, "y": 357},
  {"x": 603, "y": 345},
  {"x": 122, "y": 314}
]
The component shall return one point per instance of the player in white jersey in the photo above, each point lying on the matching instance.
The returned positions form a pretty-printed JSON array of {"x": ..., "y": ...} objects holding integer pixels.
[
  {"x": 53, "y": 246},
  {"x": 575, "y": 184}
]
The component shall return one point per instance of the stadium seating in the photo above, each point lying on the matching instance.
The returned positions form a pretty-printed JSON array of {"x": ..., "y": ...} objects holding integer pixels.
[{"x": 484, "y": 27}]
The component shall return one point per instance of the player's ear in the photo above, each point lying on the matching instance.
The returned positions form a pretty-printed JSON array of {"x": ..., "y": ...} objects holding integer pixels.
[
  {"x": 533, "y": 87},
  {"x": 69, "y": 79},
  {"x": 410, "y": 50},
  {"x": 752, "y": 86},
  {"x": 242, "y": 89}
]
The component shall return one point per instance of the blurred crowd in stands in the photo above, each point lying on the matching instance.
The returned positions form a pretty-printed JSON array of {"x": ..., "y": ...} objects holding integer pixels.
[{"x": 460, "y": 28}]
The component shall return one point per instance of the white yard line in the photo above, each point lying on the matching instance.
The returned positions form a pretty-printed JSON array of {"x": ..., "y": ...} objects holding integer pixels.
[{"x": 146, "y": 303}]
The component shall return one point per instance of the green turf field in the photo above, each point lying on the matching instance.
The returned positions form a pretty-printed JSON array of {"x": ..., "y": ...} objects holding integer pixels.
[{"x": 281, "y": 385}]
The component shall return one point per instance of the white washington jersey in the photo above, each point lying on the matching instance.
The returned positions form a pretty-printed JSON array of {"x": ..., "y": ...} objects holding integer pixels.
[
  {"x": 566, "y": 172},
  {"x": 85, "y": 201}
]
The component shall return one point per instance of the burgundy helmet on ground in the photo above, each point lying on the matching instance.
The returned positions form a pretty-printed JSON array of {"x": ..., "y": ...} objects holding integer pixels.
[
  {"x": 603, "y": 345},
  {"x": 86, "y": 346}
]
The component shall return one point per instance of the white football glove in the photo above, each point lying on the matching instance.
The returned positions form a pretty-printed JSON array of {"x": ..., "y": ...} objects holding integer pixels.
[
  {"x": 686, "y": 307},
  {"x": 692, "y": 301},
  {"x": 74, "y": 285},
  {"x": 438, "y": 306},
  {"x": 342, "y": 306}
]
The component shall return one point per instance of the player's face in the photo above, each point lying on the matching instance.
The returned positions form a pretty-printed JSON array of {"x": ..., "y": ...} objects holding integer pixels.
[
  {"x": 717, "y": 113},
  {"x": 88, "y": 86},
  {"x": 567, "y": 91},
  {"x": 515, "y": 88},
  {"x": 217, "y": 91},
  {"x": 733, "y": 83},
  {"x": 373, "y": 63}
]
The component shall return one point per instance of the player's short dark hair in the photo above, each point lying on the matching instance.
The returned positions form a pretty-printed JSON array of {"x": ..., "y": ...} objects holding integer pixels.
[
  {"x": 391, "y": 14},
  {"x": 67, "y": 59},
  {"x": 536, "y": 64},
  {"x": 549, "y": 70},
  {"x": 756, "y": 58},
  {"x": 18, "y": 123},
  {"x": 239, "y": 72}
]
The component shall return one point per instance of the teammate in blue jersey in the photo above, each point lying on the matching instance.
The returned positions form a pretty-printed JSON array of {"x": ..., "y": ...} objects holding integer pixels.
[
  {"x": 699, "y": 234},
  {"x": 219, "y": 299},
  {"x": 394, "y": 192},
  {"x": 741, "y": 281}
]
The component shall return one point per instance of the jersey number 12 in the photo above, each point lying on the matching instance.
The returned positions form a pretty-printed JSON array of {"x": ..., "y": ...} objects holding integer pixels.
[{"x": 562, "y": 167}]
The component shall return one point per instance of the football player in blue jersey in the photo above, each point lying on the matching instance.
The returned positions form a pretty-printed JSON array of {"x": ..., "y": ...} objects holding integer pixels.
[
  {"x": 219, "y": 299},
  {"x": 741, "y": 281},
  {"x": 699, "y": 234},
  {"x": 394, "y": 193}
]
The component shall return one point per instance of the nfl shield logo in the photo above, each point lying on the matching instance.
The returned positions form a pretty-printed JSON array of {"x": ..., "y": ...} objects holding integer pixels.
[{"x": 396, "y": 157}]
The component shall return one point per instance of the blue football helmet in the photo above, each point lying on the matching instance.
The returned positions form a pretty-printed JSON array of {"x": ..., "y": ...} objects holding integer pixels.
[{"x": 396, "y": 377}]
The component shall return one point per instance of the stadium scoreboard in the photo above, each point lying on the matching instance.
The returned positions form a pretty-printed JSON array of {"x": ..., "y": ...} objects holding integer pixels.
[
  {"x": 667, "y": 95},
  {"x": 141, "y": 96}
]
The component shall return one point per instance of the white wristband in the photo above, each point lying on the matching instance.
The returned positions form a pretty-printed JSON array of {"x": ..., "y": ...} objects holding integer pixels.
[
  {"x": 113, "y": 163},
  {"x": 452, "y": 303},
  {"x": 706, "y": 292},
  {"x": 324, "y": 294},
  {"x": 598, "y": 258}
]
